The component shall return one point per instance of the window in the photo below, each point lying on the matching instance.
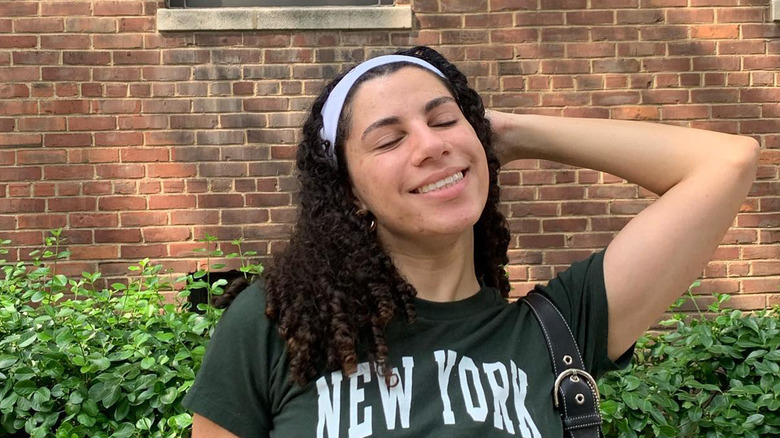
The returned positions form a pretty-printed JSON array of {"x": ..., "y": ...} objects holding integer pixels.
[
  {"x": 197, "y": 15},
  {"x": 246, "y": 3}
]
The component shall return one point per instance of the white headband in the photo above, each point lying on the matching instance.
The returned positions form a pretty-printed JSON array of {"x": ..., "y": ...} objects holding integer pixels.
[{"x": 331, "y": 111}]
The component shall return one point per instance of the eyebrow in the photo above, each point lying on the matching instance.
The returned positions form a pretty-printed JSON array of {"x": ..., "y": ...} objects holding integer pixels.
[{"x": 392, "y": 120}]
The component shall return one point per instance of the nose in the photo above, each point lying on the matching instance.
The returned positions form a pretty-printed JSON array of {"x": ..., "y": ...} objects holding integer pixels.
[{"x": 428, "y": 145}]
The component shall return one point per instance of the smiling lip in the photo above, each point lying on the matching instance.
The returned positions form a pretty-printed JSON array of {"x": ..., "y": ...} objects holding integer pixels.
[{"x": 439, "y": 176}]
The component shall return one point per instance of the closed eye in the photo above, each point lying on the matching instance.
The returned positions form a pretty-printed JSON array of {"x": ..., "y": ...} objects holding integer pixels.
[{"x": 445, "y": 124}]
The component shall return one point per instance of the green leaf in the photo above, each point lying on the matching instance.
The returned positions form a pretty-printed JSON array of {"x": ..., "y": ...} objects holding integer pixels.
[
  {"x": 90, "y": 407},
  {"x": 125, "y": 430},
  {"x": 753, "y": 421},
  {"x": 6, "y": 360},
  {"x": 169, "y": 396},
  {"x": 121, "y": 411}
]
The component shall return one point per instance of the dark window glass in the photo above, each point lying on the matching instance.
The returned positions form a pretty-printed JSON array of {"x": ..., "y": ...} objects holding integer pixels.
[{"x": 240, "y": 3}]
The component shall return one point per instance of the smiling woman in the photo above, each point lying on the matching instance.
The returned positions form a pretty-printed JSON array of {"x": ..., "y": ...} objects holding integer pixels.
[{"x": 387, "y": 313}]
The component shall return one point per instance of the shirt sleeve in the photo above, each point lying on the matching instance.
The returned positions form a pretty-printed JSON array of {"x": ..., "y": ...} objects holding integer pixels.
[
  {"x": 232, "y": 385},
  {"x": 580, "y": 295}
]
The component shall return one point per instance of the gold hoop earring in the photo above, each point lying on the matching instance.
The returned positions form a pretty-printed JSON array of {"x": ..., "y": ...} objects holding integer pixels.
[
  {"x": 361, "y": 212},
  {"x": 372, "y": 226}
]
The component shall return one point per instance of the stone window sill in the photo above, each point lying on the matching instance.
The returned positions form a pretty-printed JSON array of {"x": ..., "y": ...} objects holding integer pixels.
[
  {"x": 775, "y": 10},
  {"x": 277, "y": 18}
]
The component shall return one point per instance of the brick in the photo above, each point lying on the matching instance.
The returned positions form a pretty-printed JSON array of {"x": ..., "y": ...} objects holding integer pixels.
[
  {"x": 170, "y": 202},
  {"x": 736, "y": 111},
  {"x": 564, "y": 34},
  {"x": 143, "y": 251},
  {"x": 65, "y": 73},
  {"x": 113, "y": 74},
  {"x": 196, "y": 217},
  {"x": 38, "y": 25},
  {"x": 218, "y": 105},
  {"x": 71, "y": 171},
  {"x": 136, "y": 57},
  {"x": 766, "y": 126},
  {"x": 166, "y": 73},
  {"x": 220, "y": 137},
  {"x": 143, "y": 218},
  {"x": 136, "y": 24},
  {"x": 65, "y": 107},
  {"x": 187, "y": 56},
  {"x": 116, "y": 106},
  {"x": 119, "y": 171},
  {"x": 635, "y": 113},
  {"x": 118, "y": 236},
  {"x": 165, "y": 138},
  {"x": 717, "y": 95},
  {"x": 220, "y": 201},
  {"x": 116, "y": 8},
  {"x": 10, "y": 91},
  {"x": 93, "y": 220},
  {"x": 740, "y": 15},
  {"x": 93, "y": 252},
  {"x": 171, "y": 170},
  {"x": 166, "y": 234},
  {"x": 715, "y": 31},
  {"x": 67, "y": 140},
  {"x": 20, "y": 173},
  {"x": 271, "y": 136},
  {"x": 16, "y": 206},
  {"x": 96, "y": 188},
  {"x": 65, "y": 8},
  {"x": 90, "y": 24},
  {"x": 203, "y": 121},
  {"x": 65, "y": 41},
  {"x": 18, "y": 9},
  {"x": 244, "y": 216},
  {"x": 760, "y": 95},
  {"x": 758, "y": 285},
  {"x": 144, "y": 155},
  {"x": 685, "y": 112},
  {"x": 86, "y": 58},
  {"x": 41, "y": 124},
  {"x": 36, "y": 58},
  {"x": 123, "y": 41},
  {"x": 689, "y": 16},
  {"x": 79, "y": 203},
  {"x": 41, "y": 157},
  {"x": 760, "y": 62},
  {"x": 218, "y": 39},
  {"x": 665, "y": 96},
  {"x": 264, "y": 104},
  {"x": 663, "y": 33},
  {"x": 615, "y": 66},
  {"x": 113, "y": 203},
  {"x": 18, "y": 41},
  {"x": 92, "y": 123},
  {"x": 268, "y": 200},
  {"x": 118, "y": 138}
]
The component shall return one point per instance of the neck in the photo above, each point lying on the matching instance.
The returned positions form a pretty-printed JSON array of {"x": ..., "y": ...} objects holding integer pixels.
[{"x": 440, "y": 269}]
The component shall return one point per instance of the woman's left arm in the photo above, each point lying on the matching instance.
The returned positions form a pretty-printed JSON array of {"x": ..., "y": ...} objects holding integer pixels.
[{"x": 702, "y": 178}]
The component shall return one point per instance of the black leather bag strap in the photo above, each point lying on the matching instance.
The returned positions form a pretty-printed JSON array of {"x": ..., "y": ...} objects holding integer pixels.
[{"x": 575, "y": 393}]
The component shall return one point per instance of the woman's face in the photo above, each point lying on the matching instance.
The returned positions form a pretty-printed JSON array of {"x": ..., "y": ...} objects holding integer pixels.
[{"x": 415, "y": 161}]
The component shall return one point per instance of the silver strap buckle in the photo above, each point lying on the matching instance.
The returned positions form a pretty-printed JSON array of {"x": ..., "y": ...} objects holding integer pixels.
[{"x": 573, "y": 372}]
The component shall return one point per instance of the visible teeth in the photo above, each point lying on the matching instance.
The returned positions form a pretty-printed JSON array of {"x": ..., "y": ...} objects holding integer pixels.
[{"x": 446, "y": 182}]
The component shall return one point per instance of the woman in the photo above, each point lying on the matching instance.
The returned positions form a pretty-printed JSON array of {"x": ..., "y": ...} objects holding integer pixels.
[{"x": 387, "y": 314}]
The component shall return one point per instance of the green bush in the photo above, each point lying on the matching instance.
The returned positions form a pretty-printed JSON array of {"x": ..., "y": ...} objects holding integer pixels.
[
  {"x": 715, "y": 376},
  {"x": 98, "y": 364},
  {"x": 101, "y": 364}
]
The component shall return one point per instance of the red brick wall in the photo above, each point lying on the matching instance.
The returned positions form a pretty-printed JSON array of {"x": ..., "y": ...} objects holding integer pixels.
[{"x": 138, "y": 142}]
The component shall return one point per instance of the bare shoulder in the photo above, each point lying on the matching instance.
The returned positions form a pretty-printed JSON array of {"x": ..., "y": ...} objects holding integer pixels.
[{"x": 202, "y": 427}]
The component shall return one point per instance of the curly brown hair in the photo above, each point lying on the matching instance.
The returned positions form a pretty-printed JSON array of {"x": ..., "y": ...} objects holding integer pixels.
[{"x": 334, "y": 289}]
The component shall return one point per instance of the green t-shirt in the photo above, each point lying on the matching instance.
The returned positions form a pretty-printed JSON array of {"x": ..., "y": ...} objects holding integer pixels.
[{"x": 472, "y": 368}]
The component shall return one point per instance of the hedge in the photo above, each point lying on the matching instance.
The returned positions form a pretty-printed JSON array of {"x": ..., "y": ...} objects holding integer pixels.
[{"x": 117, "y": 361}]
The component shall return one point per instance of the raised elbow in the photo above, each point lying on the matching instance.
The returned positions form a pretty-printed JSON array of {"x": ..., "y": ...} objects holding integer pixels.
[{"x": 748, "y": 154}]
